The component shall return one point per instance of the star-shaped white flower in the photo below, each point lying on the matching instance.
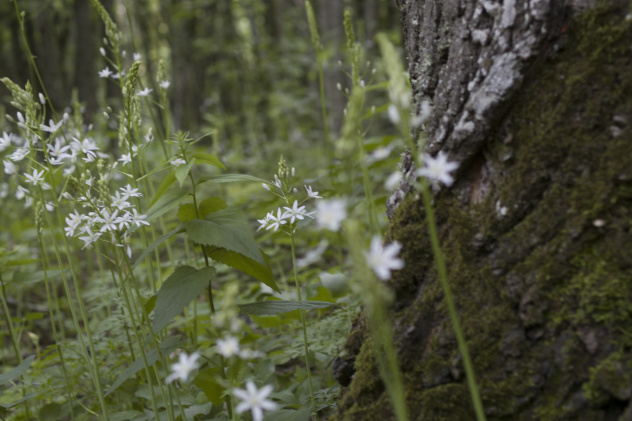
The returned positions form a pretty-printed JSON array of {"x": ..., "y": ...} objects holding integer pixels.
[
  {"x": 128, "y": 192},
  {"x": 178, "y": 161},
  {"x": 144, "y": 92},
  {"x": 5, "y": 141},
  {"x": 105, "y": 73},
  {"x": 312, "y": 193},
  {"x": 331, "y": 213},
  {"x": 52, "y": 127},
  {"x": 383, "y": 259},
  {"x": 254, "y": 400},
  {"x": 274, "y": 222},
  {"x": 183, "y": 367},
  {"x": 164, "y": 84},
  {"x": 296, "y": 212},
  {"x": 438, "y": 169},
  {"x": 228, "y": 347},
  {"x": 36, "y": 179}
]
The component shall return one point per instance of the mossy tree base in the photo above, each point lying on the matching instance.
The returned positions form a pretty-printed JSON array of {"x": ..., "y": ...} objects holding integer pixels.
[{"x": 537, "y": 237}]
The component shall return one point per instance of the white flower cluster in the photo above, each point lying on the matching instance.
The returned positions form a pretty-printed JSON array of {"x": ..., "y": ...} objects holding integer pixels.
[
  {"x": 113, "y": 218},
  {"x": 292, "y": 214}
]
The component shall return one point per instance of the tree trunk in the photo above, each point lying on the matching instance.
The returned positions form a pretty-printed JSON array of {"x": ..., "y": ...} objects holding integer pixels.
[{"x": 534, "y": 99}]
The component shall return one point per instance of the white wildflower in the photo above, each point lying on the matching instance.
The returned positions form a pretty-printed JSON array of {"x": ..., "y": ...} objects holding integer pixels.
[
  {"x": 254, "y": 400},
  {"x": 164, "y": 84},
  {"x": 178, "y": 161},
  {"x": 228, "y": 347},
  {"x": 393, "y": 114},
  {"x": 9, "y": 167},
  {"x": 296, "y": 212},
  {"x": 383, "y": 259},
  {"x": 438, "y": 169},
  {"x": 183, "y": 367},
  {"x": 276, "y": 222},
  {"x": 128, "y": 192},
  {"x": 52, "y": 126},
  {"x": 105, "y": 73},
  {"x": 144, "y": 92},
  {"x": 5, "y": 141},
  {"x": 393, "y": 180},
  {"x": 89, "y": 238},
  {"x": 331, "y": 213},
  {"x": 311, "y": 193}
]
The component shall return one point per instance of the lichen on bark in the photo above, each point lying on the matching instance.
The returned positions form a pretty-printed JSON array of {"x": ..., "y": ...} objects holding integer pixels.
[{"x": 536, "y": 231}]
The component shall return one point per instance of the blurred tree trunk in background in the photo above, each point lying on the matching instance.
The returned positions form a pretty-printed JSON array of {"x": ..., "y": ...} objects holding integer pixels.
[
  {"x": 534, "y": 100},
  {"x": 245, "y": 69}
]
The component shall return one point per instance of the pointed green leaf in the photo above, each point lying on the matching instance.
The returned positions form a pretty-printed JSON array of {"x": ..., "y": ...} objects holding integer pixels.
[
  {"x": 186, "y": 212},
  {"x": 156, "y": 243},
  {"x": 227, "y": 228},
  {"x": 231, "y": 178},
  {"x": 11, "y": 405},
  {"x": 207, "y": 158},
  {"x": 275, "y": 307},
  {"x": 168, "y": 346},
  {"x": 168, "y": 201},
  {"x": 164, "y": 186},
  {"x": 17, "y": 371},
  {"x": 262, "y": 272},
  {"x": 32, "y": 277},
  {"x": 211, "y": 204},
  {"x": 183, "y": 171},
  {"x": 207, "y": 381},
  {"x": 178, "y": 290}
]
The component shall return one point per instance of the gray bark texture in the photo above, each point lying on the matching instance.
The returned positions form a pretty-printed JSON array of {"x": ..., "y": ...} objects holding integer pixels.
[{"x": 533, "y": 98}]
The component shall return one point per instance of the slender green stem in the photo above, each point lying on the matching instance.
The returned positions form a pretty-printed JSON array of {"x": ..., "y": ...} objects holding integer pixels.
[
  {"x": 229, "y": 401},
  {"x": 456, "y": 324},
  {"x": 305, "y": 343},
  {"x": 323, "y": 106},
  {"x": 7, "y": 316},
  {"x": 51, "y": 314},
  {"x": 374, "y": 296}
]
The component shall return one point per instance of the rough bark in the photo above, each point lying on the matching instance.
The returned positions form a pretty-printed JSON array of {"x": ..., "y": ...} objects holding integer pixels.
[{"x": 534, "y": 99}]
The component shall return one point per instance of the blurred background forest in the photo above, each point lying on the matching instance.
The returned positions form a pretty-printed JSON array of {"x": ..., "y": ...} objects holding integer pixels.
[{"x": 244, "y": 69}]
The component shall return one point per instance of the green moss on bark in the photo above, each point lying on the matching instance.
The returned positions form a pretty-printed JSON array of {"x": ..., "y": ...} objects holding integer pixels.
[{"x": 544, "y": 291}]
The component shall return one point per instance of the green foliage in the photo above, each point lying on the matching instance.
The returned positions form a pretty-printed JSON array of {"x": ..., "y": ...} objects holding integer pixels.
[{"x": 115, "y": 272}]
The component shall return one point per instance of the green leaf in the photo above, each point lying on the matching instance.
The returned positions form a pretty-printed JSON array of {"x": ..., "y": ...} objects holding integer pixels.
[
  {"x": 183, "y": 171},
  {"x": 17, "y": 371},
  {"x": 231, "y": 178},
  {"x": 186, "y": 212},
  {"x": 178, "y": 290},
  {"x": 166, "y": 347},
  {"x": 211, "y": 204},
  {"x": 227, "y": 228},
  {"x": 323, "y": 295},
  {"x": 164, "y": 186},
  {"x": 275, "y": 307},
  {"x": 194, "y": 410},
  {"x": 150, "y": 304},
  {"x": 156, "y": 243},
  {"x": 262, "y": 272},
  {"x": 168, "y": 201},
  {"x": 207, "y": 158},
  {"x": 207, "y": 381},
  {"x": 11, "y": 405},
  {"x": 288, "y": 415},
  {"x": 32, "y": 277}
]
